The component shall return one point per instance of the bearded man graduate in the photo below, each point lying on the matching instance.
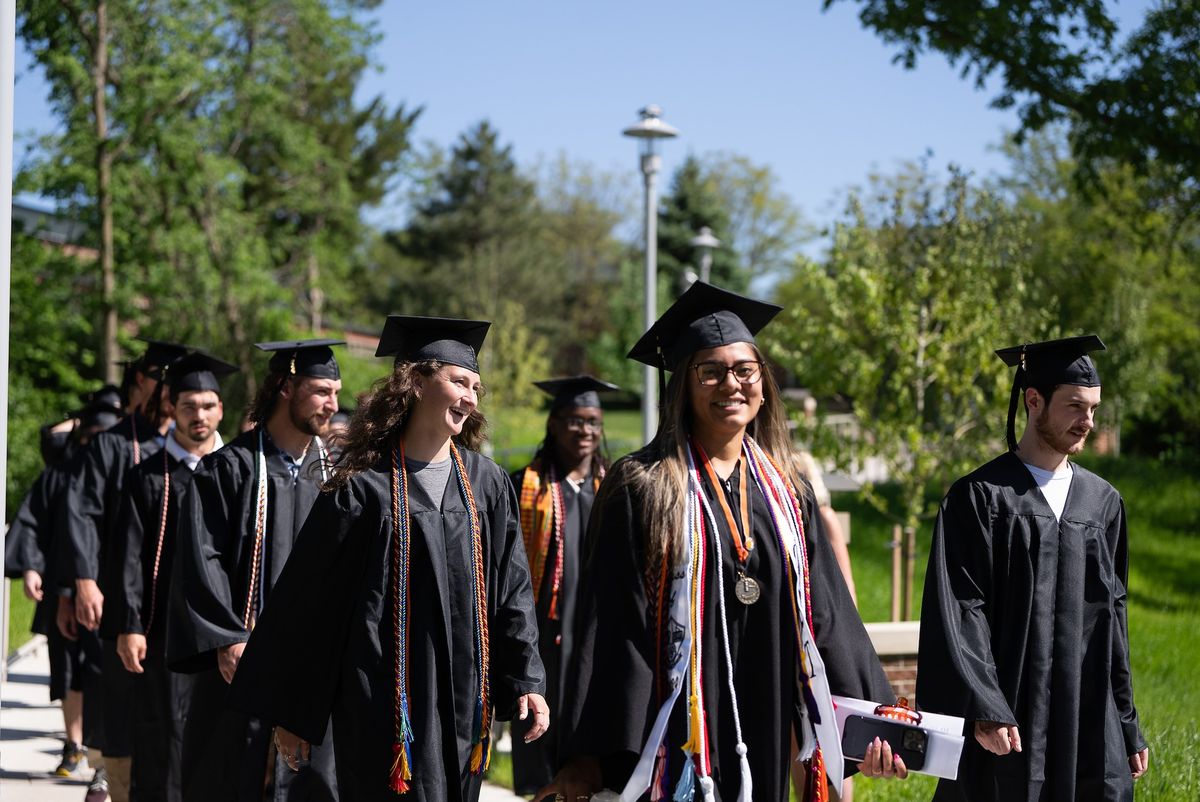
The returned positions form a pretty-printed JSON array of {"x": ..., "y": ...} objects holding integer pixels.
[
  {"x": 1023, "y": 627},
  {"x": 247, "y": 503},
  {"x": 145, "y": 548},
  {"x": 556, "y": 492},
  {"x": 93, "y": 503}
]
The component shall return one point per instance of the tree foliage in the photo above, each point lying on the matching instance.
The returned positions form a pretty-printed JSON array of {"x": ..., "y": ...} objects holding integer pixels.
[
  {"x": 1059, "y": 60},
  {"x": 925, "y": 278}
]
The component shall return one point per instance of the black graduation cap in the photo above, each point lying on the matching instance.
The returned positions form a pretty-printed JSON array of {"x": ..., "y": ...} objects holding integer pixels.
[
  {"x": 196, "y": 372},
  {"x": 411, "y": 338},
  {"x": 575, "y": 391},
  {"x": 313, "y": 358},
  {"x": 101, "y": 408},
  {"x": 705, "y": 316},
  {"x": 158, "y": 355},
  {"x": 1049, "y": 364}
]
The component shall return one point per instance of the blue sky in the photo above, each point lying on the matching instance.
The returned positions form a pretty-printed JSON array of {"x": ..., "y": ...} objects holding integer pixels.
[{"x": 810, "y": 94}]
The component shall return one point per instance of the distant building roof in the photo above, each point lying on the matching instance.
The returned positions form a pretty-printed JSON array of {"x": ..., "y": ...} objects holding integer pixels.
[{"x": 46, "y": 225}]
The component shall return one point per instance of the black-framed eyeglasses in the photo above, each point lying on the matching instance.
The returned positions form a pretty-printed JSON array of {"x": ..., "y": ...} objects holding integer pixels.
[
  {"x": 748, "y": 371},
  {"x": 577, "y": 424}
]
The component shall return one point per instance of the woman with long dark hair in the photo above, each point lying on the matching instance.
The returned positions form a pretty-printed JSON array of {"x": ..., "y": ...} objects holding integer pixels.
[
  {"x": 714, "y": 623},
  {"x": 405, "y": 609}
]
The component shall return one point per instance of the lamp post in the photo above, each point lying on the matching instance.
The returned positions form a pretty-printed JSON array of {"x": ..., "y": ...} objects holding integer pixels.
[
  {"x": 648, "y": 131},
  {"x": 705, "y": 243}
]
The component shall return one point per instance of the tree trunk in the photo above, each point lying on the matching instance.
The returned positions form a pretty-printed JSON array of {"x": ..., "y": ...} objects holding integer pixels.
[
  {"x": 104, "y": 160},
  {"x": 316, "y": 297}
]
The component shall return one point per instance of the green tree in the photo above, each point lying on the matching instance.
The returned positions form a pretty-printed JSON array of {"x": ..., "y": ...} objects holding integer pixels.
[
  {"x": 1058, "y": 60},
  {"x": 765, "y": 226},
  {"x": 923, "y": 281},
  {"x": 692, "y": 203},
  {"x": 50, "y": 331},
  {"x": 582, "y": 209},
  {"x": 1109, "y": 262}
]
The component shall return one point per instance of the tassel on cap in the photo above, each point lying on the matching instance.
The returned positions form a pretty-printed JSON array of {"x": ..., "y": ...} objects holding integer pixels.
[
  {"x": 707, "y": 787},
  {"x": 1013, "y": 400}
]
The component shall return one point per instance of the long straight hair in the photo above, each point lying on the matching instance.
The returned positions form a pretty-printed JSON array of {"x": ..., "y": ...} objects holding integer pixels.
[
  {"x": 382, "y": 417},
  {"x": 657, "y": 474}
]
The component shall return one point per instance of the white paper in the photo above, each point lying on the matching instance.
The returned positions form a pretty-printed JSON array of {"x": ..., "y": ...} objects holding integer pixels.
[{"x": 945, "y": 742}]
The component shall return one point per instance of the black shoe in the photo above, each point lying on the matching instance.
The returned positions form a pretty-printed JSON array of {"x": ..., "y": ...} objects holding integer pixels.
[
  {"x": 98, "y": 788},
  {"x": 72, "y": 759}
]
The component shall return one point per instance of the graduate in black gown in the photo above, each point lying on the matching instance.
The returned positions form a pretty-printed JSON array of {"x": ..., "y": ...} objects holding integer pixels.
[
  {"x": 86, "y": 566},
  {"x": 713, "y": 621},
  {"x": 145, "y": 544},
  {"x": 1023, "y": 624},
  {"x": 30, "y": 556},
  {"x": 405, "y": 609},
  {"x": 555, "y": 493},
  {"x": 247, "y": 504}
]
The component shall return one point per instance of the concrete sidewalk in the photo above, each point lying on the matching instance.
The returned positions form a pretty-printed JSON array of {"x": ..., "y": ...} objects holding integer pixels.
[{"x": 31, "y": 733}]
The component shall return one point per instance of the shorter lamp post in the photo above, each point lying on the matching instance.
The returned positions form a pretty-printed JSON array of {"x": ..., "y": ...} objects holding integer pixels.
[{"x": 705, "y": 243}]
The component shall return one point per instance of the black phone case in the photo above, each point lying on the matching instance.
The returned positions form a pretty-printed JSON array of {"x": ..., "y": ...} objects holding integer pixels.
[{"x": 860, "y": 731}]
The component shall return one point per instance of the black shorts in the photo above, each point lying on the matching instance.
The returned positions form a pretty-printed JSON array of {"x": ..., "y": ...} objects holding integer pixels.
[{"x": 71, "y": 662}]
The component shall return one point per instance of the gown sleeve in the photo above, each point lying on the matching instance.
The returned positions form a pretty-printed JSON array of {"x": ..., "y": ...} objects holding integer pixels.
[
  {"x": 290, "y": 671},
  {"x": 23, "y": 544},
  {"x": 610, "y": 684},
  {"x": 849, "y": 656},
  {"x": 956, "y": 670},
  {"x": 84, "y": 519},
  {"x": 126, "y": 600},
  {"x": 204, "y": 614},
  {"x": 516, "y": 665},
  {"x": 1122, "y": 675}
]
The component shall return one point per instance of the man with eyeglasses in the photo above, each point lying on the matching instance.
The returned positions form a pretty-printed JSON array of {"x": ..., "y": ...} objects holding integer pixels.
[{"x": 556, "y": 492}]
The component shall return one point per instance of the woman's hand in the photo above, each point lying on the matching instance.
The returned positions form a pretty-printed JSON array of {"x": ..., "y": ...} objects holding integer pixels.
[
  {"x": 534, "y": 703},
  {"x": 576, "y": 781},
  {"x": 292, "y": 748},
  {"x": 880, "y": 762}
]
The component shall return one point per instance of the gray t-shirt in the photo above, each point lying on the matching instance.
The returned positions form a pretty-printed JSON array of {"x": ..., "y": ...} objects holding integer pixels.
[{"x": 428, "y": 481}]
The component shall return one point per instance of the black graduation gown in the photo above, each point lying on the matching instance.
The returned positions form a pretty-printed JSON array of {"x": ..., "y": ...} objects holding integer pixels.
[
  {"x": 160, "y": 697},
  {"x": 612, "y": 698},
  {"x": 225, "y": 752},
  {"x": 29, "y": 545},
  {"x": 93, "y": 506},
  {"x": 1023, "y": 622},
  {"x": 535, "y": 764},
  {"x": 326, "y": 644}
]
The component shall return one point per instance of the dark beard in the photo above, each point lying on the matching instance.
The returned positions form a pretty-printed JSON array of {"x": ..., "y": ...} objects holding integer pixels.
[
  {"x": 1063, "y": 443},
  {"x": 306, "y": 425}
]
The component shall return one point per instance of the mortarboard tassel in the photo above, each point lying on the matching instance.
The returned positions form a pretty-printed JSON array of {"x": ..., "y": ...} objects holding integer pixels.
[{"x": 1011, "y": 431}]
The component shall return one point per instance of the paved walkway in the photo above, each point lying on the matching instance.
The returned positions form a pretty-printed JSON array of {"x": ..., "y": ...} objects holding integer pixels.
[{"x": 31, "y": 733}]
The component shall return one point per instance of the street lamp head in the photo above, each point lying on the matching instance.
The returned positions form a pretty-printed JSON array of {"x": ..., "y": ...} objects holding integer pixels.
[
  {"x": 650, "y": 129},
  {"x": 705, "y": 240}
]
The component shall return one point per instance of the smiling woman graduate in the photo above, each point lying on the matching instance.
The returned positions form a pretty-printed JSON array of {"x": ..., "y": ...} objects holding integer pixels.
[
  {"x": 714, "y": 623},
  {"x": 405, "y": 609}
]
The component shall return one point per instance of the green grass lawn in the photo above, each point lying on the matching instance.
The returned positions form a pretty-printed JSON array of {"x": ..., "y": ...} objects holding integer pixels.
[{"x": 20, "y": 616}]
